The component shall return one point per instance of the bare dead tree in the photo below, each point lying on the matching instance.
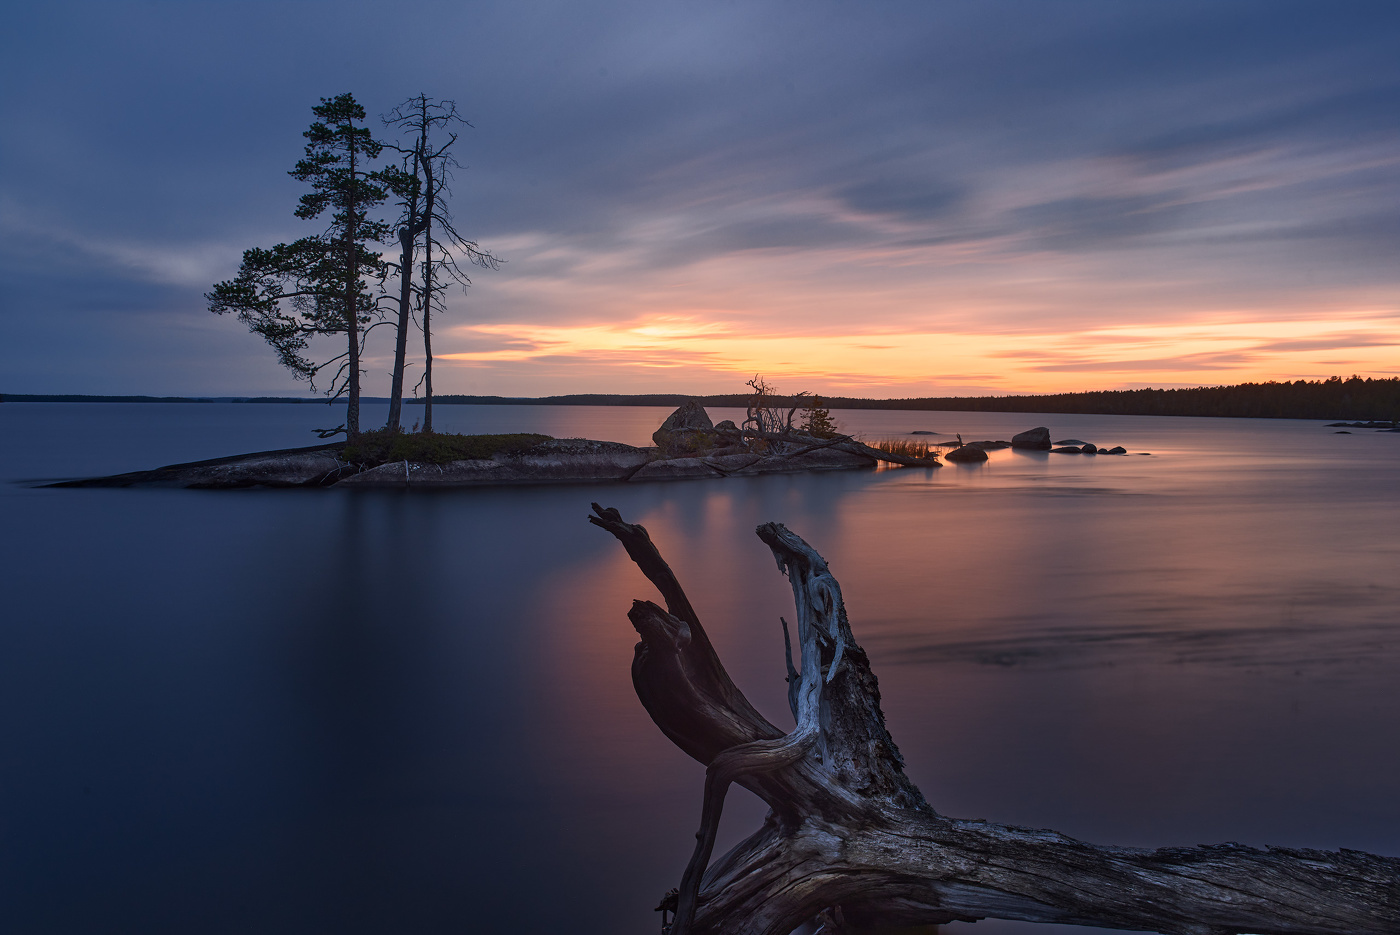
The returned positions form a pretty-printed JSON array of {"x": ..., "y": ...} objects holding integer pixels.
[
  {"x": 423, "y": 189},
  {"x": 764, "y": 416},
  {"x": 849, "y": 837},
  {"x": 406, "y": 183}
]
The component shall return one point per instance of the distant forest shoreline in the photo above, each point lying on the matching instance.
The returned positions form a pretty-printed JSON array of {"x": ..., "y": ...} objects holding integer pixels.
[{"x": 1335, "y": 398}]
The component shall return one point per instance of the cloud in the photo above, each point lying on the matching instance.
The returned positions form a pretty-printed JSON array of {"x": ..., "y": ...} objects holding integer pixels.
[
  {"x": 993, "y": 172},
  {"x": 1187, "y": 362},
  {"x": 1089, "y": 222},
  {"x": 912, "y": 200},
  {"x": 1333, "y": 343}
]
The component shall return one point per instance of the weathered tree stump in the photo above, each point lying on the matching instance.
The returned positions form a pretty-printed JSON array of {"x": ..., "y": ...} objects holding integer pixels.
[{"x": 849, "y": 836}]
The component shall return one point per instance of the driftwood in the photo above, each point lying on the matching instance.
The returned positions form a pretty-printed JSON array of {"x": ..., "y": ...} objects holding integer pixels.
[{"x": 850, "y": 839}]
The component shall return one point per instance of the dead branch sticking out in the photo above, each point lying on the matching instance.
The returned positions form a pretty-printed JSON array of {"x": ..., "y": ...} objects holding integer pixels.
[{"x": 849, "y": 834}]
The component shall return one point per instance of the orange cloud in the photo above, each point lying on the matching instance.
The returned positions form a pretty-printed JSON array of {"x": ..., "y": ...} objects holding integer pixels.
[{"x": 693, "y": 354}]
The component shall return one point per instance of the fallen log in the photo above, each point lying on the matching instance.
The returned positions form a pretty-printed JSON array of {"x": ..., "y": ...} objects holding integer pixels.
[
  {"x": 851, "y": 839},
  {"x": 843, "y": 443}
]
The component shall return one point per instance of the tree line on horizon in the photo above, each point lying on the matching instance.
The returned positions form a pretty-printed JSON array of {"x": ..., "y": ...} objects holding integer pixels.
[
  {"x": 1334, "y": 398},
  {"x": 320, "y": 285}
]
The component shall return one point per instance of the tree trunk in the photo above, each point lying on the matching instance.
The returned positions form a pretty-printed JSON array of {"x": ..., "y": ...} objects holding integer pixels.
[
  {"x": 849, "y": 835},
  {"x": 408, "y": 237},
  {"x": 429, "y": 207},
  {"x": 406, "y": 243},
  {"x": 352, "y": 316}
]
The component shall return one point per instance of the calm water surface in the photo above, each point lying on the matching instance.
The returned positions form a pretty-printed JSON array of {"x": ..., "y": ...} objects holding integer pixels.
[{"x": 388, "y": 711}]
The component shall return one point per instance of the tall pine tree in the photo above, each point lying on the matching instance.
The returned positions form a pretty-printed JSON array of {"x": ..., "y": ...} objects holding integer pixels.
[{"x": 317, "y": 285}]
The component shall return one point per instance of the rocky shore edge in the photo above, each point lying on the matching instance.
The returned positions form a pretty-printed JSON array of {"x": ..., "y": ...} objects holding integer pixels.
[{"x": 557, "y": 461}]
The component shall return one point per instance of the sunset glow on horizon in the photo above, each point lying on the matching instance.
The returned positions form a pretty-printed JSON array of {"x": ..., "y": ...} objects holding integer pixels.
[{"x": 680, "y": 355}]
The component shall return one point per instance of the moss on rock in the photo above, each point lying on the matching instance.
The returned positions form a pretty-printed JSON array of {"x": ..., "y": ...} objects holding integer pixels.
[{"x": 383, "y": 446}]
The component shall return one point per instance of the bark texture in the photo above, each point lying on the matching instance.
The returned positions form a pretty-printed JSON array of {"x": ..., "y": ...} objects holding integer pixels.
[{"x": 850, "y": 836}]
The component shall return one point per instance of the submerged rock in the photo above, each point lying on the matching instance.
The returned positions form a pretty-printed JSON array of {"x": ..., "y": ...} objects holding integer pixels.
[
  {"x": 1036, "y": 439},
  {"x": 1067, "y": 450}
]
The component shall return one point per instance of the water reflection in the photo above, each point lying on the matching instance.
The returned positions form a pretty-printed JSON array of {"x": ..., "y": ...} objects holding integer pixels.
[{"x": 301, "y": 711}]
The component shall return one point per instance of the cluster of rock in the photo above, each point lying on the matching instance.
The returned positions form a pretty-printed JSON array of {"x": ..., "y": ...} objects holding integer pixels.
[
  {"x": 1380, "y": 426},
  {"x": 1036, "y": 439},
  {"x": 1073, "y": 446},
  {"x": 688, "y": 445}
]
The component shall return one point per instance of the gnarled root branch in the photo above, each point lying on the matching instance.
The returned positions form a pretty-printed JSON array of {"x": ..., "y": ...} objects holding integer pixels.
[{"x": 849, "y": 834}]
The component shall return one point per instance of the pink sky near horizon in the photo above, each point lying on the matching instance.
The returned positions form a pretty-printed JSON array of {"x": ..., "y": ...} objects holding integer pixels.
[{"x": 870, "y": 325}]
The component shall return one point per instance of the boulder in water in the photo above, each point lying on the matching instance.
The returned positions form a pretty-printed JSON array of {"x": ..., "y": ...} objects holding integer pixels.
[
  {"x": 967, "y": 453},
  {"x": 1036, "y": 439}
]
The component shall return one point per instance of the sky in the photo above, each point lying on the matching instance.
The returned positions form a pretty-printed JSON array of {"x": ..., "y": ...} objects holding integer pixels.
[{"x": 944, "y": 197}]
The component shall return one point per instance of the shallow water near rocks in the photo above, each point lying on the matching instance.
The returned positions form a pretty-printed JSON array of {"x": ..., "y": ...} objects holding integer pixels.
[{"x": 390, "y": 711}]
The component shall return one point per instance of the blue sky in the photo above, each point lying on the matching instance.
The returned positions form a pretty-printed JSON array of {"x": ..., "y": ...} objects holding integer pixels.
[{"x": 874, "y": 199}]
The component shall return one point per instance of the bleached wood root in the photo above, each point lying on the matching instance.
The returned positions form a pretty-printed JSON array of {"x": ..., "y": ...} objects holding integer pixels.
[{"x": 849, "y": 833}]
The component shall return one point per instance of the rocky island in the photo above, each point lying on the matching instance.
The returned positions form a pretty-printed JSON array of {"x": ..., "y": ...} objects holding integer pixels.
[{"x": 688, "y": 446}]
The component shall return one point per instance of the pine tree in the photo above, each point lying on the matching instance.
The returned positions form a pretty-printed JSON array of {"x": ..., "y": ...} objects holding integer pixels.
[{"x": 317, "y": 285}]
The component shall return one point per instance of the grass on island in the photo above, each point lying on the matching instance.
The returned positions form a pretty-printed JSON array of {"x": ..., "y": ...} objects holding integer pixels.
[
  {"x": 383, "y": 446},
  {"x": 903, "y": 446}
]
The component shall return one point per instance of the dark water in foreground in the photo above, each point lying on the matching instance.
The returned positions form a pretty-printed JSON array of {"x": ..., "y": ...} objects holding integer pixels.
[{"x": 390, "y": 712}]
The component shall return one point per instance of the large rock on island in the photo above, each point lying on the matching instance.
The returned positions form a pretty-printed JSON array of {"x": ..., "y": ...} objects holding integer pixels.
[
  {"x": 686, "y": 432},
  {"x": 1036, "y": 439}
]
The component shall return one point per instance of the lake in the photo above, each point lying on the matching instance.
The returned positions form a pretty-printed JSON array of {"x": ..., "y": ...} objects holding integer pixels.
[{"x": 411, "y": 712}]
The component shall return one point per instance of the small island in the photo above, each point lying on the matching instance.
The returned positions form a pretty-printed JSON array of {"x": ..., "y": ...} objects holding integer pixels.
[{"x": 688, "y": 447}]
